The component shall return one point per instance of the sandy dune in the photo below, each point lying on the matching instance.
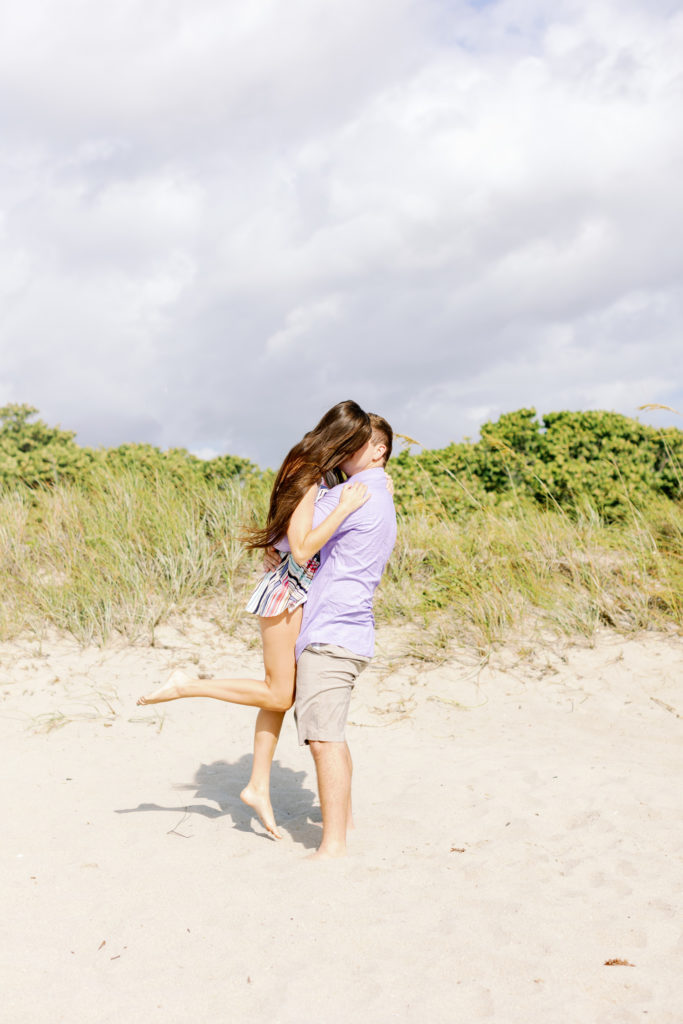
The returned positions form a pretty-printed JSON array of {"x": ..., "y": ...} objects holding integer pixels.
[{"x": 519, "y": 824}]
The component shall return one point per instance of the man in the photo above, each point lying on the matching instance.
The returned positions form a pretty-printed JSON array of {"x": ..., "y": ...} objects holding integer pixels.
[{"x": 337, "y": 637}]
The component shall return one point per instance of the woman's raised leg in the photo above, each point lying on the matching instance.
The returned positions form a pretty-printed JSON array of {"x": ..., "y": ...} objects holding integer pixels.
[{"x": 274, "y": 693}]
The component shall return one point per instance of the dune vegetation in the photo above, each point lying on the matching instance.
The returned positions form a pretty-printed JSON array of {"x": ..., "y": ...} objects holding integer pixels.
[{"x": 552, "y": 526}]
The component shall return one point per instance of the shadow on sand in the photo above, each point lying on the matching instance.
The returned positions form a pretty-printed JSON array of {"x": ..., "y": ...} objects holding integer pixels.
[{"x": 296, "y": 810}]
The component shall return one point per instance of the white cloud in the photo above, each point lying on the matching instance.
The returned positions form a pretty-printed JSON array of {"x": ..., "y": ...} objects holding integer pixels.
[
  {"x": 442, "y": 209},
  {"x": 300, "y": 324}
]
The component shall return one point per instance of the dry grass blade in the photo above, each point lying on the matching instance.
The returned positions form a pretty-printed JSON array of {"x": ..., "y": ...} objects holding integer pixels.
[
  {"x": 667, "y": 707},
  {"x": 174, "y": 831},
  {"x": 157, "y": 718},
  {"x": 456, "y": 703},
  {"x": 407, "y": 440},
  {"x": 52, "y": 720},
  {"x": 651, "y": 406}
]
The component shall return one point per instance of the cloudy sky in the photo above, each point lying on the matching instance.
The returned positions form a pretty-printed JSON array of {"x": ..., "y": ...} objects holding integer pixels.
[{"x": 220, "y": 217}]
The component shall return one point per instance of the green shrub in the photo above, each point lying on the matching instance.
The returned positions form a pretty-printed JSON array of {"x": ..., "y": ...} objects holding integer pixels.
[
  {"x": 34, "y": 454},
  {"x": 570, "y": 459}
]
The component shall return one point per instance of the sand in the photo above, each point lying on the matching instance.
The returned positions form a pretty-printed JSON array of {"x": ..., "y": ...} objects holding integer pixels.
[{"x": 519, "y": 826}]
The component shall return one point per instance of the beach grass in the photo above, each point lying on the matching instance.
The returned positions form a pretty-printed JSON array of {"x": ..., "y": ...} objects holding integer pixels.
[
  {"x": 123, "y": 552},
  {"x": 476, "y": 578}
]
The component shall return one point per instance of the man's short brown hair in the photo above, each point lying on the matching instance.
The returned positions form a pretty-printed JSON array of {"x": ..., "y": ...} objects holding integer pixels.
[{"x": 382, "y": 430}]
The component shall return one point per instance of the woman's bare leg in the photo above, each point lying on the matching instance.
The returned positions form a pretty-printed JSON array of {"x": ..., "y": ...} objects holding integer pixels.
[
  {"x": 257, "y": 791},
  {"x": 274, "y": 693},
  {"x": 256, "y": 794}
]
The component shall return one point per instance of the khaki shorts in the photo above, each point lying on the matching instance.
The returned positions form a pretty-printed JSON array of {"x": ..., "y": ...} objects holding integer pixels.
[{"x": 325, "y": 675}]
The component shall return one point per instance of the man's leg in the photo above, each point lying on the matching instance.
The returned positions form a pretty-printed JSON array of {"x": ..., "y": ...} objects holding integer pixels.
[
  {"x": 349, "y": 812},
  {"x": 325, "y": 678},
  {"x": 333, "y": 768}
]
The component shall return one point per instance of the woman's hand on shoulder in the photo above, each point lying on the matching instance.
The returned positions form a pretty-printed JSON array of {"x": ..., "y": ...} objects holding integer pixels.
[
  {"x": 390, "y": 483},
  {"x": 353, "y": 496}
]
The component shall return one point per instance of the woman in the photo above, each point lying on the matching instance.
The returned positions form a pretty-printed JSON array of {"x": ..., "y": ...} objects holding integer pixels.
[{"x": 279, "y": 598}]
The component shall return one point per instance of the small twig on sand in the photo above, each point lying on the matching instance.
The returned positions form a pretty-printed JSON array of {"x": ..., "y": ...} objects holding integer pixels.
[
  {"x": 174, "y": 831},
  {"x": 667, "y": 707}
]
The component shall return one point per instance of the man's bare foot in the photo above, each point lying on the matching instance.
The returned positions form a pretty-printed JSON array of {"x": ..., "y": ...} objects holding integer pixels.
[
  {"x": 328, "y": 853},
  {"x": 260, "y": 803},
  {"x": 171, "y": 690}
]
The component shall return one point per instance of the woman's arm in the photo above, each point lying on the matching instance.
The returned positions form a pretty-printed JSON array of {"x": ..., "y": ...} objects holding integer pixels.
[{"x": 304, "y": 541}]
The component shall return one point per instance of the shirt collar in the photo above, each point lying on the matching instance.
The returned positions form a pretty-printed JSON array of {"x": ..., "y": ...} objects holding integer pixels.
[{"x": 372, "y": 472}]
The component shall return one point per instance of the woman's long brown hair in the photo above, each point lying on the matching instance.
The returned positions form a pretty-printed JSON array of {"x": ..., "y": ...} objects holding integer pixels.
[{"x": 342, "y": 431}]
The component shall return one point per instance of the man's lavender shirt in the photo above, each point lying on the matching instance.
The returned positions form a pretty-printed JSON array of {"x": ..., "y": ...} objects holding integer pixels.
[{"x": 339, "y": 605}]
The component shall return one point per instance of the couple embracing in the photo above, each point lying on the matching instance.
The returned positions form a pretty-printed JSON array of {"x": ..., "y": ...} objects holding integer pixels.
[{"x": 330, "y": 530}]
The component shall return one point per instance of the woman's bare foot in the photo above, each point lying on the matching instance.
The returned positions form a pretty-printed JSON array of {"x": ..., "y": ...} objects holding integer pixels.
[
  {"x": 260, "y": 802},
  {"x": 171, "y": 690}
]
